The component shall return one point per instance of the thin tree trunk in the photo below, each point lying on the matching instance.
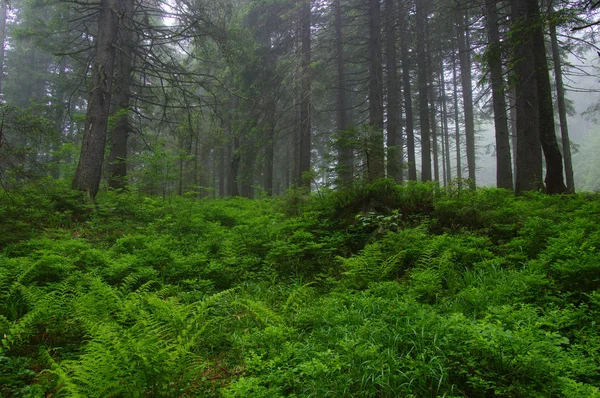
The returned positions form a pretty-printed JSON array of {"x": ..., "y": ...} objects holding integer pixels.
[
  {"x": 406, "y": 83},
  {"x": 375, "y": 150},
  {"x": 89, "y": 169},
  {"x": 234, "y": 167},
  {"x": 394, "y": 143},
  {"x": 562, "y": 108},
  {"x": 423, "y": 77},
  {"x": 305, "y": 101},
  {"x": 446, "y": 132},
  {"x": 504, "y": 177},
  {"x": 3, "y": 6},
  {"x": 467, "y": 91},
  {"x": 432, "y": 113},
  {"x": 459, "y": 175}
]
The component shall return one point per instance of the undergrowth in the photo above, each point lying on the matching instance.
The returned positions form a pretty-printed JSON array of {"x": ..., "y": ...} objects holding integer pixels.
[{"x": 377, "y": 291}]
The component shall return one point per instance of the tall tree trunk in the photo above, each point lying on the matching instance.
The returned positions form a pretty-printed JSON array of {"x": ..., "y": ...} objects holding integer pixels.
[
  {"x": 432, "y": 113},
  {"x": 305, "y": 101},
  {"x": 467, "y": 90},
  {"x": 89, "y": 169},
  {"x": 446, "y": 132},
  {"x": 504, "y": 177},
  {"x": 406, "y": 83},
  {"x": 375, "y": 150},
  {"x": 117, "y": 158},
  {"x": 344, "y": 149},
  {"x": 423, "y": 77},
  {"x": 459, "y": 175},
  {"x": 3, "y": 7},
  {"x": 529, "y": 155},
  {"x": 555, "y": 182},
  {"x": 221, "y": 160},
  {"x": 394, "y": 142},
  {"x": 562, "y": 108},
  {"x": 234, "y": 167}
]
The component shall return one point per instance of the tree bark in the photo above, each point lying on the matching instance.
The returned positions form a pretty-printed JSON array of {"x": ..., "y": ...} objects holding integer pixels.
[
  {"x": 554, "y": 164},
  {"x": 504, "y": 177},
  {"x": 562, "y": 108},
  {"x": 304, "y": 161},
  {"x": 89, "y": 169},
  {"x": 467, "y": 91},
  {"x": 394, "y": 141},
  {"x": 117, "y": 158},
  {"x": 344, "y": 150},
  {"x": 529, "y": 156},
  {"x": 459, "y": 175},
  {"x": 406, "y": 83},
  {"x": 375, "y": 150},
  {"x": 423, "y": 78}
]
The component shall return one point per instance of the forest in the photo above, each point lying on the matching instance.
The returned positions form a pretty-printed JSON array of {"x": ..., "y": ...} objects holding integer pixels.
[{"x": 273, "y": 198}]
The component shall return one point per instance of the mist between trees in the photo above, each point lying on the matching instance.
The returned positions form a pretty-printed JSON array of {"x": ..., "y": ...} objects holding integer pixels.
[{"x": 226, "y": 98}]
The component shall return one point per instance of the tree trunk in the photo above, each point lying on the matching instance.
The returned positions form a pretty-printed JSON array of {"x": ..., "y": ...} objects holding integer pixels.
[
  {"x": 562, "y": 108},
  {"x": 3, "y": 6},
  {"x": 459, "y": 175},
  {"x": 406, "y": 83},
  {"x": 375, "y": 150},
  {"x": 504, "y": 177},
  {"x": 344, "y": 149},
  {"x": 305, "y": 102},
  {"x": 89, "y": 169},
  {"x": 446, "y": 133},
  {"x": 529, "y": 156},
  {"x": 117, "y": 158},
  {"x": 234, "y": 167},
  {"x": 432, "y": 112},
  {"x": 423, "y": 77},
  {"x": 394, "y": 142},
  {"x": 467, "y": 91}
]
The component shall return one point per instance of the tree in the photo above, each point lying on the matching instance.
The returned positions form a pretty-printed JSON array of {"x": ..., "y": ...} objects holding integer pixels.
[
  {"x": 89, "y": 169},
  {"x": 423, "y": 77},
  {"x": 394, "y": 141},
  {"x": 529, "y": 157},
  {"x": 375, "y": 151},
  {"x": 306, "y": 94},
  {"x": 504, "y": 176}
]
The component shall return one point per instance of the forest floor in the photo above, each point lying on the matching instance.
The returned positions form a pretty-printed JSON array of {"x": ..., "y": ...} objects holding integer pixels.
[{"x": 376, "y": 291}]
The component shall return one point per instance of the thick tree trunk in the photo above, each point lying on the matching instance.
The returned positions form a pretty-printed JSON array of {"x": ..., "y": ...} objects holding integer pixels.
[
  {"x": 529, "y": 155},
  {"x": 504, "y": 177},
  {"x": 304, "y": 161},
  {"x": 117, "y": 158},
  {"x": 423, "y": 77},
  {"x": 467, "y": 91},
  {"x": 375, "y": 150},
  {"x": 89, "y": 169},
  {"x": 406, "y": 87},
  {"x": 344, "y": 150},
  {"x": 562, "y": 108},
  {"x": 394, "y": 141}
]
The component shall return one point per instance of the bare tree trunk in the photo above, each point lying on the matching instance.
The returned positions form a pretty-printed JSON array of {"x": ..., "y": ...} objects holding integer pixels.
[
  {"x": 305, "y": 102},
  {"x": 446, "y": 140},
  {"x": 562, "y": 108},
  {"x": 467, "y": 91},
  {"x": 375, "y": 150},
  {"x": 459, "y": 175},
  {"x": 504, "y": 177},
  {"x": 89, "y": 169},
  {"x": 406, "y": 83},
  {"x": 3, "y": 6},
  {"x": 432, "y": 112},
  {"x": 117, "y": 158},
  {"x": 423, "y": 77},
  {"x": 529, "y": 156},
  {"x": 394, "y": 142},
  {"x": 345, "y": 161}
]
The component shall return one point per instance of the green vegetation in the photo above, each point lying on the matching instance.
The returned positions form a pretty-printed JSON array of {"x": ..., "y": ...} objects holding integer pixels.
[{"x": 377, "y": 291}]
